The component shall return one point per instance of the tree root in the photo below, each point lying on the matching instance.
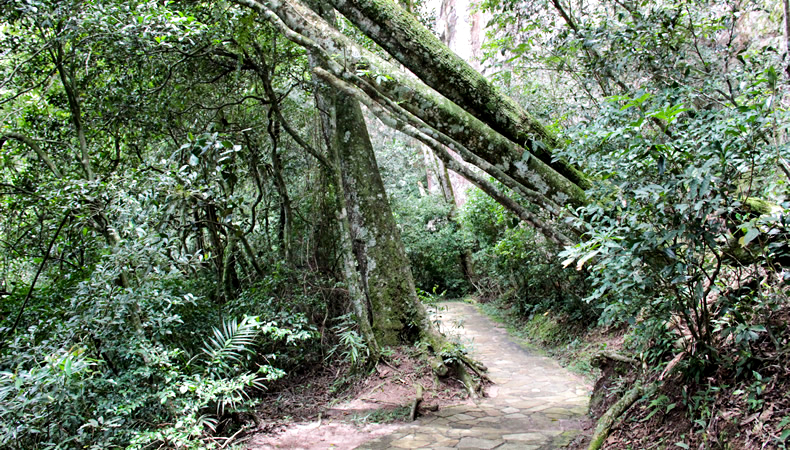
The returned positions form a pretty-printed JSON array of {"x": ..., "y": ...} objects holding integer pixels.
[
  {"x": 476, "y": 366},
  {"x": 601, "y": 359},
  {"x": 468, "y": 371},
  {"x": 460, "y": 364},
  {"x": 437, "y": 365},
  {"x": 473, "y": 386},
  {"x": 416, "y": 403},
  {"x": 608, "y": 420}
]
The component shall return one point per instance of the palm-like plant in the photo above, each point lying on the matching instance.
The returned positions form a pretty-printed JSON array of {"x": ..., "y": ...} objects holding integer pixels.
[{"x": 230, "y": 341}]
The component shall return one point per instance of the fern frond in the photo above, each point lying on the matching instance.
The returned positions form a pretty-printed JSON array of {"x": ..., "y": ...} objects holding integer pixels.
[{"x": 231, "y": 341}]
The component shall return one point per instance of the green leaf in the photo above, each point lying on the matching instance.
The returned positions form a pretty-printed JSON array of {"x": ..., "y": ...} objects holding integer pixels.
[
  {"x": 67, "y": 366},
  {"x": 586, "y": 258},
  {"x": 749, "y": 237},
  {"x": 637, "y": 101}
]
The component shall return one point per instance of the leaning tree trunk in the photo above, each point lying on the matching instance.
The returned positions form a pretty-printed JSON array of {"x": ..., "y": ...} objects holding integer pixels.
[
  {"x": 384, "y": 79},
  {"x": 417, "y": 48},
  {"x": 401, "y": 123},
  {"x": 395, "y": 313},
  {"x": 381, "y": 258},
  {"x": 325, "y": 101}
]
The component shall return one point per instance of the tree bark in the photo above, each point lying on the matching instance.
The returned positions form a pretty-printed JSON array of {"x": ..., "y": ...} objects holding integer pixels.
[
  {"x": 42, "y": 155},
  {"x": 416, "y": 47},
  {"x": 325, "y": 100},
  {"x": 286, "y": 214},
  {"x": 444, "y": 181},
  {"x": 67, "y": 79},
  {"x": 304, "y": 27},
  {"x": 228, "y": 265},
  {"x": 378, "y": 259},
  {"x": 381, "y": 258},
  {"x": 451, "y": 163}
]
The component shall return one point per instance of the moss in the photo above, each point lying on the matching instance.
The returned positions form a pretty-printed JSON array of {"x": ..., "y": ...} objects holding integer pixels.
[
  {"x": 384, "y": 415},
  {"x": 378, "y": 250},
  {"x": 424, "y": 54},
  {"x": 758, "y": 206}
]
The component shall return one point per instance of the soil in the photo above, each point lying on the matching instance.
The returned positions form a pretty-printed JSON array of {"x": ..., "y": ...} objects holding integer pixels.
[
  {"x": 305, "y": 414},
  {"x": 740, "y": 405}
]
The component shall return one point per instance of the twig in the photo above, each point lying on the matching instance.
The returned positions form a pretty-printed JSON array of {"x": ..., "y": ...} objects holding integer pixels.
[
  {"x": 35, "y": 278},
  {"x": 230, "y": 439}
]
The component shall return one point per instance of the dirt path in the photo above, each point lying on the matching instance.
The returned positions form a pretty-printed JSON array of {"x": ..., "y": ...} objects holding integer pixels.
[{"x": 534, "y": 403}]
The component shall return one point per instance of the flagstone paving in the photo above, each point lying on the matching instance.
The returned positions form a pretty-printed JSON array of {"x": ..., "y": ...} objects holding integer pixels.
[{"x": 533, "y": 404}]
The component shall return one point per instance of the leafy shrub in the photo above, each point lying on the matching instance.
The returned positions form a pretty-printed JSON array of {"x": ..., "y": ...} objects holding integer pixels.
[
  {"x": 678, "y": 240},
  {"x": 434, "y": 244},
  {"x": 515, "y": 262},
  {"x": 351, "y": 347},
  {"x": 144, "y": 356}
]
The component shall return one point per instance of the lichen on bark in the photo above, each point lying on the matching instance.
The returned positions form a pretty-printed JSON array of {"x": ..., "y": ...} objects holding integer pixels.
[
  {"x": 304, "y": 27},
  {"x": 379, "y": 252},
  {"x": 417, "y": 48}
]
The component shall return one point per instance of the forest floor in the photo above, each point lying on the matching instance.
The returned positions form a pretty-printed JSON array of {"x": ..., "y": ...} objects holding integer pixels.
[{"x": 533, "y": 403}]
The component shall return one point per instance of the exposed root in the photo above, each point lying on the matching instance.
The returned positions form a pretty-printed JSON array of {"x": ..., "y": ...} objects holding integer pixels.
[
  {"x": 460, "y": 364},
  {"x": 477, "y": 367},
  {"x": 438, "y": 366},
  {"x": 608, "y": 420},
  {"x": 473, "y": 386},
  {"x": 601, "y": 359},
  {"x": 416, "y": 403}
]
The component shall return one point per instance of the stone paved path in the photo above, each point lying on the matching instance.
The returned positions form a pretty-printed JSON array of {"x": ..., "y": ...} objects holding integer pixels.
[{"x": 534, "y": 403}]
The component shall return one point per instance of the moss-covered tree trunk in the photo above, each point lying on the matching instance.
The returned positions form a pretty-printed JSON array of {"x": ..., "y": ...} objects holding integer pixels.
[
  {"x": 386, "y": 82},
  {"x": 381, "y": 258},
  {"x": 417, "y": 48},
  {"x": 395, "y": 313}
]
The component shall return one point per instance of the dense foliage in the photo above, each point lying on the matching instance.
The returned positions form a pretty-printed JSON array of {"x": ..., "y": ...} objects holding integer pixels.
[
  {"x": 172, "y": 227},
  {"x": 150, "y": 282},
  {"x": 679, "y": 109}
]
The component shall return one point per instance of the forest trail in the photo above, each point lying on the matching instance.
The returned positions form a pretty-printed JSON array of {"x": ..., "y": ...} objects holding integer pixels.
[{"x": 533, "y": 404}]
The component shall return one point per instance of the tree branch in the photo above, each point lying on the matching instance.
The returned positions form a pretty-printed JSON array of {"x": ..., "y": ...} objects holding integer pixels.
[
  {"x": 489, "y": 188},
  {"x": 35, "y": 278},
  {"x": 42, "y": 155}
]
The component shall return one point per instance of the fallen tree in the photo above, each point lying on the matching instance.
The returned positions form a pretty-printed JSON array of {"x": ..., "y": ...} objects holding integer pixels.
[{"x": 407, "y": 40}]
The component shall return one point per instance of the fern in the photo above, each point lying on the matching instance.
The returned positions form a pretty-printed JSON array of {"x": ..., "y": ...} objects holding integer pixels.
[
  {"x": 352, "y": 347},
  {"x": 231, "y": 341}
]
